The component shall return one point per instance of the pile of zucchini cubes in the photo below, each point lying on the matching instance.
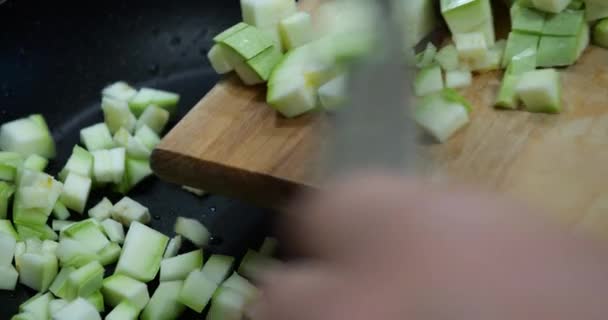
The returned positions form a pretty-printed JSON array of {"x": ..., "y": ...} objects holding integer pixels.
[
  {"x": 49, "y": 244},
  {"x": 304, "y": 66}
]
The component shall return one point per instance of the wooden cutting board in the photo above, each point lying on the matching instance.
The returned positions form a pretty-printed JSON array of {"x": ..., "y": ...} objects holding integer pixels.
[{"x": 232, "y": 143}]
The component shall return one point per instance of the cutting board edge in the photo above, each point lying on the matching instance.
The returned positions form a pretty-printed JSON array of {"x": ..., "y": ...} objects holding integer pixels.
[{"x": 257, "y": 188}]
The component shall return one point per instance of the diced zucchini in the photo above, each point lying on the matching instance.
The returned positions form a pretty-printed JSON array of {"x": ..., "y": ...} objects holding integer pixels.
[
  {"x": 72, "y": 253},
  {"x": 179, "y": 267},
  {"x": 267, "y": 13},
  {"x": 173, "y": 247},
  {"x": 263, "y": 63},
  {"x": 155, "y": 118},
  {"x": 119, "y": 288},
  {"x": 254, "y": 263},
  {"x": 523, "y": 62},
  {"x": 50, "y": 247},
  {"x": 426, "y": 57},
  {"x": 296, "y": 30},
  {"x": 218, "y": 267},
  {"x": 164, "y": 304},
  {"x": 85, "y": 280},
  {"x": 76, "y": 191},
  {"x": 42, "y": 232},
  {"x": 80, "y": 162},
  {"x": 56, "y": 305},
  {"x": 88, "y": 233},
  {"x": 447, "y": 57},
  {"x": 128, "y": 210},
  {"x": 517, "y": 43},
  {"x": 37, "y": 271},
  {"x": 110, "y": 254},
  {"x": 8, "y": 277},
  {"x": 6, "y": 227},
  {"x": 96, "y": 137},
  {"x": 96, "y": 299},
  {"x": 197, "y": 291},
  {"x": 117, "y": 115},
  {"x": 6, "y": 193},
  {"x": 102, "y": 210},
  {"x": 507, "y": 97},
  {"x": 12, "y": 159},
  {"x": 109, "y": 165},
  {"x": 134, "y": 146},
  {"x": 192, "y": 230},
  {"x": 470, "y": 45},
  {"x": 124, "y": 311},
  {"x": 37, "y": 305},
  {"x": 26, "y": 136},
  {"x": 7, "y": 173},
  {"x": 242, "y": 285},
  {"x": 60, "y": 211},
  {"x": 7, "y": 249},
  {"x": 540, "y": 91},
  {"x": 119, "y": 90},
  {"x": 557, "y": 51},
  {"x": 553, "y": 6},
  {"x": 136, "y": 172},
  {"x": 595, "y": 11},
  {"x": 147, "y": 136},
  {"x": 464, "y": 15},
  {"x": 458, "y": 79},
  {"x": 227, "y": 304},
  {"x": 79, "y": 309},
  {"x": 528, "y": 20},
  {"x": 114, "y": 230},
  {"x": 418, "y": 19},
  {"x": 440, "y": 117},
  {"x": 217, "y": 59},
  {"x": 60, "y": 225},
  {"x": 59, "y": 287},
  {"x": 600, "y": 33},
  {"x": 35, "y": 162},
  {"x": 147, "y": 96},
  {"x": 142, "y": 252},
  {"x": 428, "y": 80},
  {"x": 332, "y": 95},
  {"x": 566, "y": 23}
]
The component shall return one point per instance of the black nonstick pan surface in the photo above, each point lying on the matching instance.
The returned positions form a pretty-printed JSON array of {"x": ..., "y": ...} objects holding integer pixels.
[{"x": 56, "y": 56}]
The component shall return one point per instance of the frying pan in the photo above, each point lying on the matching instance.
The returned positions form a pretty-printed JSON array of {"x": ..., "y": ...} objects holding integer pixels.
[{"x": 56, "y": 56}]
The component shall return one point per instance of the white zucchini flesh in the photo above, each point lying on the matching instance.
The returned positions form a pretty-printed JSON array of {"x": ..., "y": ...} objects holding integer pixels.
[
  {"x": 34, "y": 179},
  {"x": 6, "y": 193},
  {"x": 117, "y": 115},
  {"x": 147, "y": 136},
  {"x": 73, "y": 253},
  {"x": 470, "y": 45},
  {"x": 85, "y": 280},
  {"x": 447, "y": 57},
  {"x": 218, "y": 267},
  {"x": 173, "y": 247},
  {"x": 147, "y": 96},
  {"x": 59, "y": 287},
  {"x": 553, "y": 6},
  {"x": 36, "y": 163},
  {"x": 428, "y": 80},
  {"x": 96, "y": 137},
  {"x": 266, "y": 13},
  {"x": 197, "y": 291},
  {"x": 60, "y": 211},
  {"x": 110, "y": 254},
  {"x": 119, "y": 90},
  {"x": 296, "y": 30},
  {"x": 136, "y": 172},
  {"x": 33, "y": 197},
  {"x": 80, "y": 162},
  {"x": 102, "y": 210},
  {"x": 7, "y": 249},
  {"x": 540, "y": 91},
  {"x": 88, "y": 233},
  {"x": 50, "y": 247},
  {"x": 155, "y": 118},
  {"x": 37, "y": 271},
  {"x": 37, "y": 305},
  {"x": 254, "y": 263},
  {"x": 79, "y": 309},
  {"x": 56, "y": 305},
  {"x": 164, "y": 304},
  {"x": 458, "y": 78},
  {"x": 136, "y": 149},
  {"x": 227, "y": 304},
  {"x": 59, "y": 225},
  {"x": 441, "y": 118},
  {"x": 179, "y": 267},
  {"x": 114, "y": 230},
  {"x": 76, "y": 189},
  {"x": 8, "y": 277},
  {"x": 332, "y": 94},
  {"x": 218, "y": 60},
  {"x": 142, "y": 252},
  {"x": 96, "y": 299},
  {"x": 6, "y": 227},
  {"x": 109, "y": 165},
  {"x": 192, "y": 230},
  {"x": 242, "y": 285},
  {"x": 26, "y": 137},
  {"x": 128, "y": 210},
  {"x": 119, "y": 288},
  {"x": 124, "y": 311}
]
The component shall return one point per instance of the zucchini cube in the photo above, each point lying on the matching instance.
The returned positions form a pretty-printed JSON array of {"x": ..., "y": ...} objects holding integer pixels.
[
  {"x": 526, "y": 19},
  {"x": 464, "y": 15},
  {"x": 553, "y": 6},
  {"x": 540, "y": 91},
  {"x": 567, "y": 23},
  {"x": 470, "y": 45},
  {"x": 517, "y": 43}
]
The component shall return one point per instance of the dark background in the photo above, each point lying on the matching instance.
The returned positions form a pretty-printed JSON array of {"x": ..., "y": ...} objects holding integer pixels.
[{"x": 56, "y": 56}]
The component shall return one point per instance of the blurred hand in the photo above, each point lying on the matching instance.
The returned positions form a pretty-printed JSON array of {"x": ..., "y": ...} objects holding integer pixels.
[{"x": 383, "y": 247}]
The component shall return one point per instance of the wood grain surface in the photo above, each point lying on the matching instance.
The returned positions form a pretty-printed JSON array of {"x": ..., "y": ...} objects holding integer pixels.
[{"x": 232, "y": 143}]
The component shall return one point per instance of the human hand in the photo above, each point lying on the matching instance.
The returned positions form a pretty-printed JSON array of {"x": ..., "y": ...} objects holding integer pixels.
[{"x": 384, "y": 247}]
